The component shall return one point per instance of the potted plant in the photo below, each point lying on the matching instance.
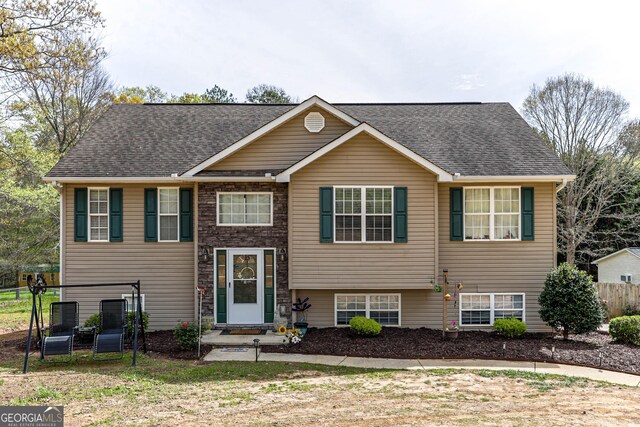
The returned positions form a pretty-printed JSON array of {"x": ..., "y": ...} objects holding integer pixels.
[
  {"x": 451, "y": 331},
  {"x": 301, "y": 306}
]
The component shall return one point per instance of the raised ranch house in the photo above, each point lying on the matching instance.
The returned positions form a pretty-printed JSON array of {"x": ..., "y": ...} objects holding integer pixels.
[
  {"x": 358, "y": 206},
  {"x": 622, "y": 266}
]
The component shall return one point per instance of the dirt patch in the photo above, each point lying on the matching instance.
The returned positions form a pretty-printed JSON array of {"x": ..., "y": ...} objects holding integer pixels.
[
  {"x": 165, "y": 344},
  {"x": 595, "y": 350}
]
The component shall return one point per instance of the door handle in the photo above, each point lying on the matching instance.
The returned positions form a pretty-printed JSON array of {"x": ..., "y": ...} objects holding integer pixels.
[{"x": 229, "y": 284}]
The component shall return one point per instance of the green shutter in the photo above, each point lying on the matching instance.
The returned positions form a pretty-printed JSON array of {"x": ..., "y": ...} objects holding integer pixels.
[
  {"x": 150, "y": 215},
  {"x": 80, "y": 215},
  {"x": 456, "y": 215},
  {"x": 221, "y": 286},
  {"x": 115, "y": 215},
  {"x": 186, "y": 215},
  {"x": 326, "y": 214},
  {"x": 269, "y": 285},
  {"x": 527, "y": 213},
  {"x": 400, "y": 215}
]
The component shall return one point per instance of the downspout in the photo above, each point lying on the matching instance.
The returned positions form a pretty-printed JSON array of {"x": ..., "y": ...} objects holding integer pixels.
[{"x": 61, "y": 245}]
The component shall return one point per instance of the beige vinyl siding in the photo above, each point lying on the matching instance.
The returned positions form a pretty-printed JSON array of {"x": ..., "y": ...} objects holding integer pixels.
[
  {"x": 503, "y": 266},
  {"x": 361, "y": 161},
  {"x": 165, "y": 270},
  {"x": 285, "y": 145}
]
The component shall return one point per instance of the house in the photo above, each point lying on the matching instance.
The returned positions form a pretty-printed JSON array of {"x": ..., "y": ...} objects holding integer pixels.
[
  {"x": 622, "y": 266},
  {"x": 50, "y": 272},
  {"x": 358, "y": 206}
]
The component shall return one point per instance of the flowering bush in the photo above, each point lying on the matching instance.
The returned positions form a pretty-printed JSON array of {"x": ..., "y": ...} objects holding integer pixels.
[
  {"x": 452, "y": 326},
  {"x": 187, "y": 335},
  {"x": 292, "y": 336}
]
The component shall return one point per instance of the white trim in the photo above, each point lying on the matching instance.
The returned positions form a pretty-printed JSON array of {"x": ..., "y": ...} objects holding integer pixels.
[
  {"x": 89, "y": 239},
  {"x": 177, "y": 214},
  {"x": 226, "y": 272},
  {"x": 443, "y": 176},
  {"x": 313, "y": 101},
  {"x": 614, "y": 254},
  {"x": 363, "y": 214},
  {"x": 513, "y": 178},
  {"x": 367, "y": 305},
  {"x": 491, "y": 213},
  {"x": 128, "y": 296},
  {"x": 491, "y": 306},
  {"x": 270, "y": 224}
]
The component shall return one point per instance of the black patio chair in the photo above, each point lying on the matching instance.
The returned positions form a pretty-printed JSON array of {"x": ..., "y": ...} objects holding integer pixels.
[
  {"x": 113, "y": 328},
  {"x": 63, "y": 323}
]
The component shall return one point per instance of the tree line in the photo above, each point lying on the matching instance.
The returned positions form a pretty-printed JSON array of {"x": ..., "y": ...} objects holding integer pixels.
[{"x": 53, "y": 87}]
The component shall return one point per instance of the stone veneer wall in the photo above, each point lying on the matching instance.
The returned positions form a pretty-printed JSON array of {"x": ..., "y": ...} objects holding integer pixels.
[{"x": 211, "y": 235}]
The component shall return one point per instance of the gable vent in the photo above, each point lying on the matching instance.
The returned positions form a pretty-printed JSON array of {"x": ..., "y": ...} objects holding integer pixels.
[{"x": 314, "y": 122}]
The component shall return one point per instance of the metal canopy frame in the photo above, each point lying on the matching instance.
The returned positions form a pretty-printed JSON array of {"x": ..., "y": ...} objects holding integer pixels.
[{"x": 36, "y": 314}]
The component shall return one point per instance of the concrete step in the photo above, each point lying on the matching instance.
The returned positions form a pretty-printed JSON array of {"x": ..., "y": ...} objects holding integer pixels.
[{"x": 215, "y": 338}]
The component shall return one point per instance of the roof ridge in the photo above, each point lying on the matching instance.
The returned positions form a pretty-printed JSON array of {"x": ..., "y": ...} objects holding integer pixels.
[{"x": 333, "y": 103}]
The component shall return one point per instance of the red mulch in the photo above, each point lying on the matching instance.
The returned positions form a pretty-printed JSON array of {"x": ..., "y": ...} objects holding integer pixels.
[{"x": 595, "y": 350}]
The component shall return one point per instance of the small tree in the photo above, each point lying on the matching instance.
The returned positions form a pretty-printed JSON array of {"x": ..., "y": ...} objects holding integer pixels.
[{"x": 570, "y": 302}]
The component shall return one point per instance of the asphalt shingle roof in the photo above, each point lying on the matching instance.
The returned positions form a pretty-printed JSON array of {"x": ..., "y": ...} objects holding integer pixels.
[{"x": 157, "y": 140}]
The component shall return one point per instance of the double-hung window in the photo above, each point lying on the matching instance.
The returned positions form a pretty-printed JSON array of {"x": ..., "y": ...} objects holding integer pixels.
[
  {"x": 132, "y": 302},
  {"x": 98, "y": 214},
  {"x": 384, "y": 308},
  {"x": 168, "y": 224},
  {"x": 363, "y": 214},
  {"x": 245, "y": 209},
  {"x": 483, "y": 309},
  {"x": 492, "y": 213}
]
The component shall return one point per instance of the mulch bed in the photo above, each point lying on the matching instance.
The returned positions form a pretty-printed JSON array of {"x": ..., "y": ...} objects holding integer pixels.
[{"x": 594, "y": 350}]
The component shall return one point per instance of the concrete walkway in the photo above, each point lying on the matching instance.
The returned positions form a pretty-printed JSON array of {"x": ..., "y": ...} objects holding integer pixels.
[{"x": 248, "y": 354}]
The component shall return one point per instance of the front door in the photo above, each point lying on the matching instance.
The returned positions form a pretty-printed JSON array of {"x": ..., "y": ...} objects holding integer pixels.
[{"x": 245, "y": 286}]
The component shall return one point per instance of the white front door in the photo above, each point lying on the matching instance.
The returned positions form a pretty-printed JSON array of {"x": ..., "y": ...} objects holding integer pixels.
[{"x": 246, "y": 287}]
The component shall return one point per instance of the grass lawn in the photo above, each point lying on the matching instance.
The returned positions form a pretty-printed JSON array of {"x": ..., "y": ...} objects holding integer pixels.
[
  {"x": 171, "y": 392},
  {"x": 15, "y": 314}
]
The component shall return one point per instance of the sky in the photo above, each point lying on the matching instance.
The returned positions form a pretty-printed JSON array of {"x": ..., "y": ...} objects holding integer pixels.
[{"x": 373, "y": 51}]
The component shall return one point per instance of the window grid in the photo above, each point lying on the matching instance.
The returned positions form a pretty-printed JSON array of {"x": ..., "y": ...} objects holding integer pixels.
[
  {"x": 132, "y": 303},
  {"x": 482, "y": 309},
  {"x": 98, "y": 214},
  {"x": 384, "y": 308},
  {"x": 496, "y": 218},
  {"x": 245, "y": 209},
  {"x": 353, "y": 224},
  {"x": 168, "y": 212}
]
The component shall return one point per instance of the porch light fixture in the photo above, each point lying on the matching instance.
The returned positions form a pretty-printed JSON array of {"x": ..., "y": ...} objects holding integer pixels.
[
  {"x": 282, "y": 252},
  {"x": 205, "y": 254}
]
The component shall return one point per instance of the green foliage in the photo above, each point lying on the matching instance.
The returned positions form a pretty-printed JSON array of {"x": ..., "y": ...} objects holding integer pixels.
[
  {"x": 187, "y": 335},
  {"x": 93, "y": 321},
  {"x": 131, "y": 319},
  {"x": 631, "y": 310},
  {"x": 216, "y": 94},
  {"x": 569, "y": 301},
  {"x": 510, "y": 328},
  {"x": 625, "y": 329},
  {"x": 364, "y": 326},
  {"x": 139, "y": 95},
  {"x": 268, "y": 94}
]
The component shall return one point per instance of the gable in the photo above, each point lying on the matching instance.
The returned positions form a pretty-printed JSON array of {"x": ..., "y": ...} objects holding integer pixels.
[{"x": 285, "y": 145}]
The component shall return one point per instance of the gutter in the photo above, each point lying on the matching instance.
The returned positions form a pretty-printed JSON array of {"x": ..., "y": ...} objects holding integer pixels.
[{"x": 171, "y": 179}]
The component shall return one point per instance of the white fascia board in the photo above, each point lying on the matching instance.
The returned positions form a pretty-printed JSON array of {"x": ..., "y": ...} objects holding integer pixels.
[
  {"x": 614, "y": 254},
  {"x": 513, "y": 178},
  {"x": 443, "y": 176},
  {"x": 313, "y": 101},
  {"x": 157, "y": 180}
]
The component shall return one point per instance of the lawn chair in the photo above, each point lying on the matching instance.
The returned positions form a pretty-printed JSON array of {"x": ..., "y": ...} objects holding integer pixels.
[
  {"x": 113, "y": 328},
  {"x": 63, "y": 323}
]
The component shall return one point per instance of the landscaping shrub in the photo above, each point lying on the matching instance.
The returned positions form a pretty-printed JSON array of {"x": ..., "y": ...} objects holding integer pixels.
[
  {"x": 631, "y": 310},
  {"x": 625, "y": 329},
  {"x": 364, "y": 326},
  {"x": 569, "y": 301},
  {"x": 187, "y": 335},
  {"x": 510, "y": 328},
  {"x": 93, "y": 320},
  {"x": 131, "y": 319}
]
